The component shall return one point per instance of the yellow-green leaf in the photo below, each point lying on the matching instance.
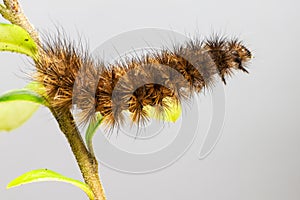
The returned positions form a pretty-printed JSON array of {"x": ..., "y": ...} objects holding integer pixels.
[
  {"x": 171, "y": 112},
  {"x": 42, "y": 175},
  {"x": 17, "y": 106},
  {"x": 37, "y": 88},
  {"x": 15, "y": 39}
]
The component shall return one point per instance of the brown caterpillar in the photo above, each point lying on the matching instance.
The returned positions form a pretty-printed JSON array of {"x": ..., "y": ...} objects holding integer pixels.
[{"x": 71, "y": 76}]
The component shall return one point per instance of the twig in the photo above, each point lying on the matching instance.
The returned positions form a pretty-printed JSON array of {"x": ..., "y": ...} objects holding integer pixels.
[
  {"x": 12, "y": 11},
  {"x": 87, "y": 163}
]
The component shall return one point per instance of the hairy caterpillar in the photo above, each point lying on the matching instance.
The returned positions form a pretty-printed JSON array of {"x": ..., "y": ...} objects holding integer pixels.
[{"x": 71, "y": 76}]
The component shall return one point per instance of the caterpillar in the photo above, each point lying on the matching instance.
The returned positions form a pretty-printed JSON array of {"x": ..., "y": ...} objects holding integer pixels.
[{"x": 72, "y": 77}]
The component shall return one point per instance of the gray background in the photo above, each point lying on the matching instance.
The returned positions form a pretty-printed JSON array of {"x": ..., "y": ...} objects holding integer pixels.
[{"x": 258, "y": 154}]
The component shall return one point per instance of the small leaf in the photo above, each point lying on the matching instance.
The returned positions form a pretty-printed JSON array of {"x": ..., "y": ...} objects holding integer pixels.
[
  {"x": 42, "y": 175},
  {"x": 171, "y": 113},
  {"x": 22, "y": 95},
  {"x": 174, "y": 111},
  {"x": 15, "y": 39},
  {"x": 17, "y": 106},
  {"x": 91, "y": 130},
  {"x": 37, "y": 88}
]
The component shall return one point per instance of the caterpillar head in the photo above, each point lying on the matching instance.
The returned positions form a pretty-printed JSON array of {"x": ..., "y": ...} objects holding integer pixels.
[{"x": 240, "y": 54}]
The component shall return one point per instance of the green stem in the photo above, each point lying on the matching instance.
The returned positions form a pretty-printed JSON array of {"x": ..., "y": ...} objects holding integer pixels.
[
  {"x": 11, "y": 10},
  {"x": 87, "y": 162}
]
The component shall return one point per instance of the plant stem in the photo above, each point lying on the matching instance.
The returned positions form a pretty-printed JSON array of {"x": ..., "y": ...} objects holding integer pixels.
[{"x": 87, "y": 162}]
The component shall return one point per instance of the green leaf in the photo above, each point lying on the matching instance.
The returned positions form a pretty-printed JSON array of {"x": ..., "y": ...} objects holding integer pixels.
[
  {"x": 37, "y": 88},
  {"x": 170, "y": 114},
  {"x": 17, "y": 106},
  {"x": 174, "y": 111},
  {"x": 15, "y": 39},
  {"x": 22, "y": 95},
  {"x": 42, "y": 175},
  {"x": 91, "y": 130}
]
